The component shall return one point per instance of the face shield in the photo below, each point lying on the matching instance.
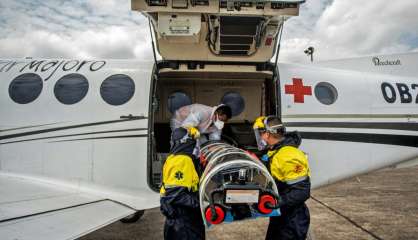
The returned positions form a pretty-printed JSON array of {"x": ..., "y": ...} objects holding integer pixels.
[
  {"x": 259, "y": 128},
  {"x": 261, "y": 144}
]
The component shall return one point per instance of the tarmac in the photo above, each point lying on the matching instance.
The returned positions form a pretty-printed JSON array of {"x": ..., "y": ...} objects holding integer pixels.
[{"x": 378, "y": 205}]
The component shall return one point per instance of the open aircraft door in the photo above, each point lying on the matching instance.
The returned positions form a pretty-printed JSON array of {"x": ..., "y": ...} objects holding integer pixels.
[
  {"x": 217, "y": 30},
  {"x": 213, "y": 52}
]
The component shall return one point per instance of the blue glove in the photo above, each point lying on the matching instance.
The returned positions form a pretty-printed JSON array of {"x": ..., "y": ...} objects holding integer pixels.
[{"x": 265, "y": 158}]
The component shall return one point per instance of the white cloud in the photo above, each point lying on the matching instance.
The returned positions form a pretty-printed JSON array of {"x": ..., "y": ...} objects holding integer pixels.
[
  {"x": 109, "y": 42},
  {"x": 76, "y": 29},
  {"x": 352, "y": 28}
]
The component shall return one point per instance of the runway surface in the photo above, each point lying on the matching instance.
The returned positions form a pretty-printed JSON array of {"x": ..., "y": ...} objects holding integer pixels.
[{"x": 379, "y": 205}]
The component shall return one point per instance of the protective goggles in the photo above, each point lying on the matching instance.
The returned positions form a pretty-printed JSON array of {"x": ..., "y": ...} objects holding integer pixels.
[{"x": 260, "y": 126}]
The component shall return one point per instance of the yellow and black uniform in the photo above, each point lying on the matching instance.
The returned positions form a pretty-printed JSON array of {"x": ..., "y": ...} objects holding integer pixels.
[
  {"x": 290, "y": 169},
  {"x": 179, "y": 171},
  {"x": 179, "y": 192}
]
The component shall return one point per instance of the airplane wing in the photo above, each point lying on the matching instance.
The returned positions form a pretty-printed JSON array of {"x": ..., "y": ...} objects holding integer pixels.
[{"x": 37, "y": 210}]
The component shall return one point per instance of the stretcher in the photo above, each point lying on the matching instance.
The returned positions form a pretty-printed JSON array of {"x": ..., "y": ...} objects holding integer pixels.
[{"x": 235, "y": 185}]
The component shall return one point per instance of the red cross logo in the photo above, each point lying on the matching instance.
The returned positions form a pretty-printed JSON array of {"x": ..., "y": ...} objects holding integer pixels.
[{"x": 298, "y": 90}]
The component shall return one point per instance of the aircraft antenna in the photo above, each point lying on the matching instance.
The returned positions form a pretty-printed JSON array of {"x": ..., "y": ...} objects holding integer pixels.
[{"x": 310, "y": 51}]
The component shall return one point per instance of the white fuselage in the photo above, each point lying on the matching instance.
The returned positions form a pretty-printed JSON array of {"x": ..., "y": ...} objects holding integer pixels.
[{"x": 102, "y": 147}]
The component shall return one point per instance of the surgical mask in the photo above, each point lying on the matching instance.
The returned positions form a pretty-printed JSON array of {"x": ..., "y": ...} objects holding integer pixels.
[
  {"x": 263, "y": 144},
  {"x": 219, "y": 124}
]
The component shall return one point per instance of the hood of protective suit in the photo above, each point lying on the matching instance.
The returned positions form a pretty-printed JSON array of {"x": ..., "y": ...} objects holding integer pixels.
[
  {"x": 290, "y": 139},
  {"x": 185, "y": 148},
  {"x": 196, "y": 115},
  {"x": 181, "y": 142}
]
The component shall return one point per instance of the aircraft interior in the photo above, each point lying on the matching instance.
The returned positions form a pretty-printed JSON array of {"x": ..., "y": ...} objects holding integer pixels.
[{"x": 248, "y": 92}]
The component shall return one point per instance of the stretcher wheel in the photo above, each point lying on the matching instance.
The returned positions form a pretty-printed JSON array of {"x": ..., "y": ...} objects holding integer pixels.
[
  {"x": 220, "y": 215},
  {"x": 262, "y": 203}
]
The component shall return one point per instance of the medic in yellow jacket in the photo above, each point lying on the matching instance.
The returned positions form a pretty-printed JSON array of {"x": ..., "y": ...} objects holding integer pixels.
[
  {"x": 179, "y": 191},
  {"x": 289, "y": 167}
]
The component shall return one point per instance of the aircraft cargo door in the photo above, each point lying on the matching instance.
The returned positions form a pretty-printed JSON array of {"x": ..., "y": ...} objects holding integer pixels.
[{"x": 217, "y": 30}]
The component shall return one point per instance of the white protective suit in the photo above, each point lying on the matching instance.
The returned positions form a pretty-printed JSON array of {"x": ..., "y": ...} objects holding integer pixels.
[{"x": 199, "y": 116}]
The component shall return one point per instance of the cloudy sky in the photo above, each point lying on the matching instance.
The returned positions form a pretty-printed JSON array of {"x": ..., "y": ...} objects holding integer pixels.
[{"x": 108, "y": 29}]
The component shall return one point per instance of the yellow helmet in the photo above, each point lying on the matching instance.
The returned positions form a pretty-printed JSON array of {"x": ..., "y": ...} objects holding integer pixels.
[
  {"x": 271, "y": 124},
  {"x": 259, "y": 123}
]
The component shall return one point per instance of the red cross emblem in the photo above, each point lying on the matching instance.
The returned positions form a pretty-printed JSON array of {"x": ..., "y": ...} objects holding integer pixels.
[{"x": 298, "y": 90}]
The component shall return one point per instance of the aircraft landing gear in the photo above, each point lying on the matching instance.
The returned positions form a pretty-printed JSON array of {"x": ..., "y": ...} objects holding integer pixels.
[{"x": 133, "y": 217}]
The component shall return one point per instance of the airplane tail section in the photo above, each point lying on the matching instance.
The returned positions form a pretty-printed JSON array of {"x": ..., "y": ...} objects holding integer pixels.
[{"x": 395, "y": 64}]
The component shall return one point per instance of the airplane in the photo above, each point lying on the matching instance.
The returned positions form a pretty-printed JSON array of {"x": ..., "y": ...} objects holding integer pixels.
[{"x": 82, "y": 141}]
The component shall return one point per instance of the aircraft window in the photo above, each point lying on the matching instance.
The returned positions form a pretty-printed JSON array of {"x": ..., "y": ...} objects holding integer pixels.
[
  {"x": 326, "y": 93},
  {"x": 177, "y": 100},
  {"x": 25, "y": 88},
  {"x": 71, "y": 88},
  {"x": 117, "y": 89},
  {"x": 235, "y": 101}
]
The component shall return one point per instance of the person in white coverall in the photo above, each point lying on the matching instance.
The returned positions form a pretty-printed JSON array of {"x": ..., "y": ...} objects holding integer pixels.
[{"x": 202, "y": 120}]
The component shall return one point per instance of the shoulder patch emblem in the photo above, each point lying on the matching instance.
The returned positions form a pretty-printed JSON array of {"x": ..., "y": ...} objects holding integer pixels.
[
  {"x": 298, "y": 169},
  {"x": 178, "y": 175}
]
